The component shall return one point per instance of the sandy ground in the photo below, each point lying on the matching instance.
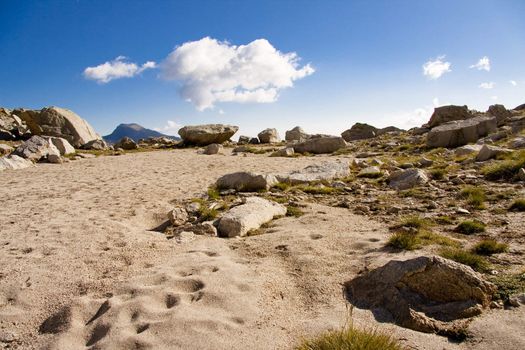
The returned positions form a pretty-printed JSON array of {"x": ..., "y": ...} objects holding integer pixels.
[{"x": 76, "y": 241}]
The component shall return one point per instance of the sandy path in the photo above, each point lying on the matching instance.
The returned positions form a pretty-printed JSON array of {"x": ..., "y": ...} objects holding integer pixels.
[{"x": 76, "y": 242}]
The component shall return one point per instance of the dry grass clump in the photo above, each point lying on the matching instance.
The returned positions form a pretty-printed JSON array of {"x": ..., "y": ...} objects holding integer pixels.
[
  {"x": 413, "y": 232},
  {"x": 489, "y": 247},
  {"x": 465, "y": 257},
  {"x": 351, "y": 338},
  {"x": 437, "y": 174},
  {"x": 518, "y": 205},
  {"x": 475, "y": 196},
  {"x": 509, "y": 285},
  {"x": 505, "y": 169},
  {"x": 294, "y": 211},
  {"x": 469, "y": 227}
]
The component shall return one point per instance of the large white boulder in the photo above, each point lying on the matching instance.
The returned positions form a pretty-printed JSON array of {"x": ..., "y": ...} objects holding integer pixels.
[
  {"x": 320, "y": 145},
  {"x": 256, "y": 211},
  {"x": 36, "y": 148},
  {"x": 14, "y": 162},
  {"x": 203, "y": 135}
]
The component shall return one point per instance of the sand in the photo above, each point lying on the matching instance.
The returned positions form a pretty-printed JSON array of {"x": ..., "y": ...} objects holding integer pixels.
[{"x": 77, "y": 242}]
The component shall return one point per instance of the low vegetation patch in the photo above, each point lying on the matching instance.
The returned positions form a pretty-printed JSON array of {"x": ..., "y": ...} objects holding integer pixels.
[
  {"x": 403, "y": 240},
  {"x": 505, "y": 169},
  {"x": 469, "y": 227},
  {"x": 414, "y": 222},
  {"x": 351, "y": 338},
  {"x": 444, "y": 220},
  {"x": 294, "y": 211},
  {"x": 509, "y": 285},
  {"x": 437, "y": 174},
  {"x": 282, "y": 186},
  {"x": 317, "y": 189},
  {"x": 475, "y": 196},
  {"x": 489, "y": 247},
  {"x": 465, "y": 257},
  {"x": 213, "y": 193},
  {"x": 518, "y": 205}
]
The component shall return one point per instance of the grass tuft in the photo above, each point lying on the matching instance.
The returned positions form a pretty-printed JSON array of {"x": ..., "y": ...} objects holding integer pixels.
[
  {"x": 213, "y": 193},
  {"x": 294, "y": 211},
  {"x": 469, "y": 227},
  {"x": 351, "y": 338},
  {"x": 475, "y": 196},
  {"x": 518, "y": 205},
  {"x": 505, "y": 169},
  {"x": 509, "y": 285},
  {"x": 403, "y": 240},
  {"x": 465, "y": 257},
  {"x": 489, "y": 247},
  {"x": 438, "y": 173}
]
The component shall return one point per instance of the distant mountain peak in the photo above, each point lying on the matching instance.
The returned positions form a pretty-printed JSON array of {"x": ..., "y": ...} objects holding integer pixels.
[{"x": 133, "y": 131}]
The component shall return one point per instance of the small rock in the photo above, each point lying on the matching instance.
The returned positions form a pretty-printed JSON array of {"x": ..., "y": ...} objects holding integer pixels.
[
  {"x": 371, "y": 172},
  {"x": 126, "y": 143},
  {"x": 178, "y": 216},
  {"x": 462, "y": 211},
  {"x": 55, "y": 159},
  {"x": 425, "y": 162},
  {"x": 269, "y": 136},
  {"x": 521, "y": 174},
  {"x": 213, "y": 148},
  {"x": 284, "y": 152},
  {"x": 488, "y": 152},
  {"x": 246, "y": 181},
  {"x": 405, "y": 179}
]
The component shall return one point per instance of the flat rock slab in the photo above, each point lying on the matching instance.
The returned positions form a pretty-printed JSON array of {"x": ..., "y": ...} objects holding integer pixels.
[
  {"x": 458, "y": 133},
  {"x": 256, "y": 211},
  {"x": 203, "y": 135},
  {"x": 426, "y": 294},
  {"x": 320, "y": 145},
  {"x": 245, "y": 181},
  {"x": 326, "y": 171}
]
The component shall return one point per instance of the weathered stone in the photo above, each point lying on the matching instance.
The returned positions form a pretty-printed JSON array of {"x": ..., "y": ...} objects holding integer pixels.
[
  {"x": 458, "y": 133},
  {"x": 517, "y": 143},
  {"x": 63, "y": 146},
  {"x": 12, "y": 127},
  {"x": 488, "y": 152},
  {"x": 296, "y": 134},
  {"x": 467, "y": 149},
  {"x": 405, "y": 179},
  {"x": 36, "y": 148},
  {"x": 246, "y": 181},
  {"x": 326, "y": 171},
  {"x": 256, "y": 211},
  {"x": 126, "y": 143},
  {"x": 359, "y": 131},
  {"x": 59, "y": 122},
  {"x": 284, "y": 152},
  {"x": 320, "y": 145},
  {"x": 447, "y": 114},
  {"x": 14, "y": 162},
  {"x": 178, "y": 216},
  {"x": 500, "y": 112},
  {"x": 243, "y": 140},
  {"x": 203, "y": 135},
  {"x": 54, "y": 158},
  {"x": 5, "y": 149},
  {"x": 269, "y": 136},
  {"x": 371, "y": 172},
  {"x": 425, "y": 162},
  {"x": 254, "y": 141},
  {"x": 213, "y": 148},
  {"x": 426, "y": 294},
  {"x": 97, "y": 145}
]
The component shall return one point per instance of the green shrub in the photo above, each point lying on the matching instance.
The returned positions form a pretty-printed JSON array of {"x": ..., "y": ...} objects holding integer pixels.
[
  {"x": 438, "y": 174},
  {"x": 465, "y": 257},
  {"x": 213, "y": 193},
  {"x": 444, "y": 220},
  {"x": 294, "y": 211},
  {"x": 403, "y": 240},
  {"x": 283, "y": 186},
  {"x": 489, "y": 247},
  {"x": 509, "y": 285},
  {"x": 469, "y": 227},
  {"x": 475, "y": 196},
  {"x": 505, "y": 169},
  {"x": 351, "y": 338},
  {"x": 317, "y": 189},
  {"x": 414, "y": 222},
  {"x": 518, "y": 205}
]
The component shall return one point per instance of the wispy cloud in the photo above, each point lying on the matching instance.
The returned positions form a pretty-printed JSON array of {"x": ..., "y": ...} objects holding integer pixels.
[
  {"x": 171, "y": 128},
  {"x": 513, "y": 82},
  {"x": 116, "y": 69},
  {"x": 483, "y": 64},
  {"x": 433, "y": 69},
  {"x": 488, "y": 85},
  {"x": 212, "y": 71}
]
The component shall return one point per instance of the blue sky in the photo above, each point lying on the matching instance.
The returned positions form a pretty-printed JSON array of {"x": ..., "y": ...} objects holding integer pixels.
[{"x": 366, "y": 60}]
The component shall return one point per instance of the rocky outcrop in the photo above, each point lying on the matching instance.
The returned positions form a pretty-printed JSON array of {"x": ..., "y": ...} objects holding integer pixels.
[
  {"x": 488, "y": 152},
  {"x": 14, "y": 162},
  {"x": 246, "y": 181},
  {"x": 241, "y": 219},
  {"x": 269, "y": 136},
  {"x": 63, "y": 146},
  {"x": 326, "y": 171},
  {"x": 447, "y": 114},
  {"x": 12, "y": 127},
  {"x": 467, "y": 149},
  {"x": 320, "y": 145},
  {"x": 59, "y": 122},
  {"x": 359, "y": 131},
  {"x": 459, "y": 133},
  {"x": 213, "y": 148},
  {"x": 243, "y": 140},
  {"x": 405, "y": 179},
  {"x": 426, "y": 294},
  {"x": 296, "y": 134},
  {"x": 96, "y": 145},
  {"x": 203, "y": 135},
  {"x": 126, "y": 143},
  {"x": 500, "y": 112},
  {"x": 36, "y": 148}
]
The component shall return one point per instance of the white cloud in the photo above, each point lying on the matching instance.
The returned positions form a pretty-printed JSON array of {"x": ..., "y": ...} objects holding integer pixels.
[
  {"x": 513, "y": 82},
  {"x": 494, "y": 97},
  {"x": 414, "y": 118},
  {"x": 483, "y": 64},
  {"x": 434, "y": 69},
  {"x": 171, "y": 128},
  {"x": 214, "y": 71},
  {"x": 116, "y": 69},
  {"x": 488, "y": 85}
]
